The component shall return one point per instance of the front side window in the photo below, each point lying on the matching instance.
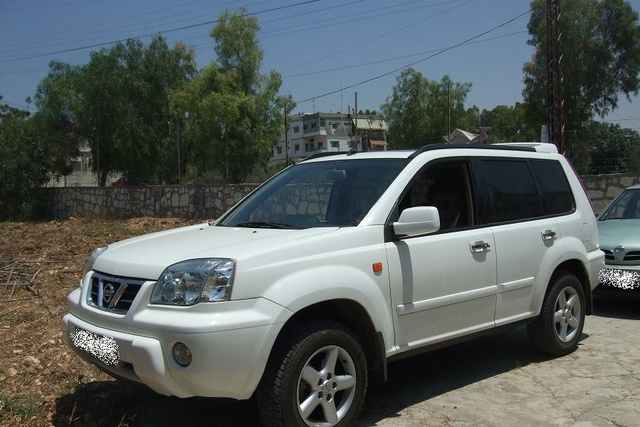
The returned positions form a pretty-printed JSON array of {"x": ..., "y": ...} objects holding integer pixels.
[
  {"x": 317, "y": 194},
  {"x": 447, "y": 186}
]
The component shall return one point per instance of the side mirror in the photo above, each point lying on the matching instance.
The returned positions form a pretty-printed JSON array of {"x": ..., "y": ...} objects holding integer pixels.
[{"x": 416, "y": 221}]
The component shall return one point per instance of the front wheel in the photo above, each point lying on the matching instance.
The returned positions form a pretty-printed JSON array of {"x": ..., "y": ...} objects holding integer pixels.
[
  {"x": 559, "y": 325},
  {"x": 317, "y": 376}
]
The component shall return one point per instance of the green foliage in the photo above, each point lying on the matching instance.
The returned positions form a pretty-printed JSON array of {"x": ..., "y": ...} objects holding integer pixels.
[
  {"x": 614, "y": 150},
  {"x": 234, "y": 114},
  {"x": 26, "y": 161},
  {"x": 601, "y": 60},
  {"x": 508, "y": 124},
  {"x": 18, "y": 409},
  {"x": 417, "y": 112},
  {"x": 119, "y": 104}
]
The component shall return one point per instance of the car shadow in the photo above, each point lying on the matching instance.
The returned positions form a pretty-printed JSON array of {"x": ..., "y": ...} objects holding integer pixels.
[
  {"x": 423, "y": 377},
  {"x": 411, "y": 380},
  {"x": 617, "y": 306},
  {"x": 114, "y": 403}
]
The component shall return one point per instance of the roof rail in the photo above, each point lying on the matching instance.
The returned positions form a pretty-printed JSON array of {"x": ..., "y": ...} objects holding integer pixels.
[
  {"x": 442, "y": 146},
  {"x": 541, "y": 147},
  {"x": 323, "y": 154}
]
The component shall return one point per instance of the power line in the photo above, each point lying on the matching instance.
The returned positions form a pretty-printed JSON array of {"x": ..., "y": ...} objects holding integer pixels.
[
  {"x": 380, "y": 61},
  {"x": 172, "y": 30},
  {"x": 380, "y": 36},
  {"x": 379, "y": 76}
]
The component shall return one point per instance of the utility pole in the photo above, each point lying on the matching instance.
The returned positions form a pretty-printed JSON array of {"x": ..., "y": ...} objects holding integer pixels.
[
  {"x": 555, "y": 96},
  {"x": 286, "y": 133},
  {"x": 355, "y": 145},
  {"x": 449, "y": 112}
]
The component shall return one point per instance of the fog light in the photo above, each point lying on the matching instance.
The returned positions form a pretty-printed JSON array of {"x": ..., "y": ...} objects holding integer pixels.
[{"x": 182, "y": 354}]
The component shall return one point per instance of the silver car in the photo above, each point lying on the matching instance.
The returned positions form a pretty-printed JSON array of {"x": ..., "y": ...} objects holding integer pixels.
[{"x": 619, "y": 229}]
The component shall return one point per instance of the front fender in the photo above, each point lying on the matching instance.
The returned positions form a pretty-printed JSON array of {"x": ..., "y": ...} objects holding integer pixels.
[{"x": 304, "y": 288}]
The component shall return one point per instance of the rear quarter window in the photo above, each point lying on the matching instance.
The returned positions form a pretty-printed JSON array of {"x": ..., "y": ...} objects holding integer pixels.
[{"x": 557, "y": 197}]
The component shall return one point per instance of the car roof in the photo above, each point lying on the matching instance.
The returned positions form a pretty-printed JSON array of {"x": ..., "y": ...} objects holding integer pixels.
[{"x": 540, "y": 147}]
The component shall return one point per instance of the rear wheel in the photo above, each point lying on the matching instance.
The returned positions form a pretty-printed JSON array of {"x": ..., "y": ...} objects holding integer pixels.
[
  {"x": 317, "y": 376},
  {"x": 559, "y": 325}
]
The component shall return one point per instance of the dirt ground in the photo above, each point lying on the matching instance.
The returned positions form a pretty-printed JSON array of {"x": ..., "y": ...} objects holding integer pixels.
[{"x": 42, "y": 382}]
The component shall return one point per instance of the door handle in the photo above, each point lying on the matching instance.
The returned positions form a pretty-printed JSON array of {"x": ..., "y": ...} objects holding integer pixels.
[
  {"x": 548, "y": 235},
  {"x": 479, "y": 246}
]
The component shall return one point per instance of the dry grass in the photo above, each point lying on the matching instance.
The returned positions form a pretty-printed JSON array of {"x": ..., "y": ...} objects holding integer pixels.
[{"x": 42, "y": 382}]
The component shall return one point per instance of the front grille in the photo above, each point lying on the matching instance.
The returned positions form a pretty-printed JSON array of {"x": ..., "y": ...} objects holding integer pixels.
[
  {"x": 619, "y": 256},
  {"x": 632, "y": 256},
  {"x": 113, "y": 294}
]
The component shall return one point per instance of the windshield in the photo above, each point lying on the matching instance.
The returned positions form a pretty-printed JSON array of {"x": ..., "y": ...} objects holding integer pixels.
[
  {"x": 625, "y": 206},
  {"x": 318, "y": 194}
]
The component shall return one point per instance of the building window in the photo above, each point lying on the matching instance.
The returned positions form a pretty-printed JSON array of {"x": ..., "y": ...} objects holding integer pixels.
[
  {"x": 279, "y": 150},
  {"x": 296, "y": 129},
  {"x": 321, "y": 123},
  {"x": 334, "y": 126},
  {"x": 296, "y": 148},
  {"x": 314, "y": 125},
  {"x": 335, "y": 144}
]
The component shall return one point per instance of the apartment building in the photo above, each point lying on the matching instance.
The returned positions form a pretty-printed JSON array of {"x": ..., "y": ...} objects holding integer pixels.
[{"x": 327, "y": 132}]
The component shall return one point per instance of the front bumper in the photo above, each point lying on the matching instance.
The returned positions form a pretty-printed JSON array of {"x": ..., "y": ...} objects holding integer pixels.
[{"x": 230, "y": 346}]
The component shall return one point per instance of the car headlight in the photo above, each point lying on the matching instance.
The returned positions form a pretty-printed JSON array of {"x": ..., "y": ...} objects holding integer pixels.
[
  {"x": 193, "y": 281},
  {"x": 88, "y": 266}
]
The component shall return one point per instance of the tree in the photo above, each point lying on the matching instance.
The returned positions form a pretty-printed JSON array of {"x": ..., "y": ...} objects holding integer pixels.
[
  {"x": 601, "y": 60},
  {"x": 507, "y": 124},
  {"x": 417, "y": 112},
  {"x": 56, "y": 120},
  {"x": 26, "y": 161},
  {"x": 234, "y": 113},
  {"x": 613, "y": 148},
  {"x": 119, "y": 104}
]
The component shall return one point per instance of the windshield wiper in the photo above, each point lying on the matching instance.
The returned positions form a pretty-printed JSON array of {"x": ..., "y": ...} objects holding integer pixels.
[{"x": 264, "y": 224}]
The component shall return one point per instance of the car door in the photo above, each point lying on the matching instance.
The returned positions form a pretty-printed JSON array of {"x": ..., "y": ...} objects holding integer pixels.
[
  {"x": 526, "y": 236},
  {"x": 445, "y": 285}
]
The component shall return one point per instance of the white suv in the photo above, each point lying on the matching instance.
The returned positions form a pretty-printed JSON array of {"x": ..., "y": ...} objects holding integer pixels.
[{"x": 305, "y": 290}]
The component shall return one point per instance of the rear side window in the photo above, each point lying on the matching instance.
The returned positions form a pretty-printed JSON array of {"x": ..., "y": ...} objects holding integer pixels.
[
  {"x": 521, "y": 189},
  {"x": 510, "y": 191},
  {"x": 557, "y": 197}
]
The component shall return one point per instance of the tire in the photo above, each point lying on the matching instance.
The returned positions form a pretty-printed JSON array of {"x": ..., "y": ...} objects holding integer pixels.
[
  {"x": 316, "y": 376},
  {"x": 557, "y": 329}
]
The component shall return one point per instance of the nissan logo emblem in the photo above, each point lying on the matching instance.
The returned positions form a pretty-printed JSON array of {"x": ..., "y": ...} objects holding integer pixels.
[{"x": 107, "y": 292}]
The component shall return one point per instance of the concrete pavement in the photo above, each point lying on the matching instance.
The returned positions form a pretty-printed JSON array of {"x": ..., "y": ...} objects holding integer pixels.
[
  {"x": 495, "y": 381},
  {"x": 499, "y": 381}
]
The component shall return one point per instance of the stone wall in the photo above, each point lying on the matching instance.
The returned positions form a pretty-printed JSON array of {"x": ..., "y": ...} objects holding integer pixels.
[
  {"x": 211, "y": 201},
  {"x": 156, "y": 201},
  {"x": 603, "y": 188}
]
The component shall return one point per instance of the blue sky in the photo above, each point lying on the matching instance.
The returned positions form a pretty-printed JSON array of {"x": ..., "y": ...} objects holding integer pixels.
[{"x": 326, "y": 50}]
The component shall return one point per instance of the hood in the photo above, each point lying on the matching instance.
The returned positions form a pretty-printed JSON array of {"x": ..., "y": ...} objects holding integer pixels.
[
  {"x": 614, "y": 232},
  {"x": 146, "y": 257}
]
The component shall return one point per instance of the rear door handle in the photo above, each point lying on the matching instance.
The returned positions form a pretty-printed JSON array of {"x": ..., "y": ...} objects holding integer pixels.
[
  {"x": 479, "y": 246},
  {"x": 548, "y": 234}
]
